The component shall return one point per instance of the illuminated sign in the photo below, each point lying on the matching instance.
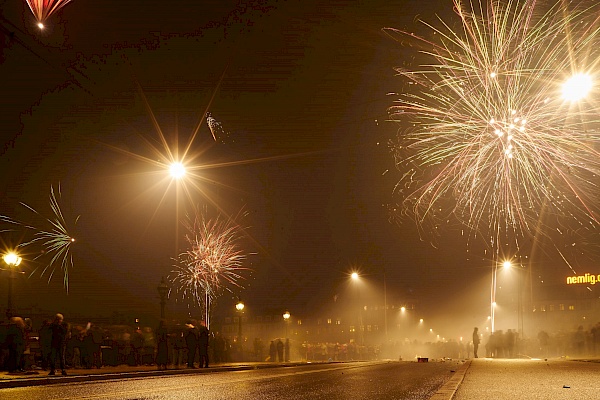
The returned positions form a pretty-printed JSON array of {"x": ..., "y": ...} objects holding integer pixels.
[{"x": 590, "y": 279}]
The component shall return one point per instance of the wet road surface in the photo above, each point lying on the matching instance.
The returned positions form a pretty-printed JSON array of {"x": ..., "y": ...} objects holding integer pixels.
[{"x": 382, "y": 380}]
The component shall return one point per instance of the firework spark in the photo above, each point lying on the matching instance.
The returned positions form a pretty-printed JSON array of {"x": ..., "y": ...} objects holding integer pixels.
[
  {"x": 489, "y": 138},
  {"x": 213, "y": 262},
  {"x": 216, "y": 128},
  {"x": 42, "y": 9},
  {"x": 56, "y": 242}
]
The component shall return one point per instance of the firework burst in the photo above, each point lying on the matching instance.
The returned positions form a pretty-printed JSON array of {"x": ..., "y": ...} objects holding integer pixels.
[
  {"x": 55, "y": 242},
  {"x": 495, "y": 134},
  {"x": 213, "y": 261},
  {"x": 42, "y": 9}
]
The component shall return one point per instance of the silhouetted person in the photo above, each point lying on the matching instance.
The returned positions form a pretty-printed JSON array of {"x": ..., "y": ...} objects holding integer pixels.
[
  {"x": 476, "y": 341},
  {"x": 510, "y": 340},
  {"x": 287, "y": 350},
  {"x": 162, "y": 348},
  {"x": 57, "y": 344},
  {"x": 137, "y": 343},
  {"x": 272, "y": 352},
  {"x": 15, "y": 341},
  {"x": 191, "y": 341},
  {"x": 203, "y": 345},
  {"x": 279, "y": 350},
  {"x": 45, "y": 334}
]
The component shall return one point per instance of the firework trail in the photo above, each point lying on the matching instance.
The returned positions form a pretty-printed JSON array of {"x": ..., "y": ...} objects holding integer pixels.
[
  {"x": 42, "y": 9},
  {"x": 56, "y": 242},
  {"x": 213, "y": 261},
  {"x": 216, "y": 128},
  {"x": 488, "y": 138}
]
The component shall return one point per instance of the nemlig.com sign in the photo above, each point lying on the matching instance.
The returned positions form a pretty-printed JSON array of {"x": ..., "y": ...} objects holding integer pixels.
[{"x": 589, "y": 279}]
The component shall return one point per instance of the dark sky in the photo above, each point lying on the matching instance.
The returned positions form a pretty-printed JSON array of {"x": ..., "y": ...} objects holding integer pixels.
[{"x": 301, "y": 85}]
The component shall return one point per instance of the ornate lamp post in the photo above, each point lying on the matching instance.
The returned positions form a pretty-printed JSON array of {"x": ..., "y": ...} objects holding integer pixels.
[
  {"x": 12, "y": 260},
  {"x": 240, "y": 309},
  {"x": 163, "y": 290},
  {"x": 286, "y": 321}
]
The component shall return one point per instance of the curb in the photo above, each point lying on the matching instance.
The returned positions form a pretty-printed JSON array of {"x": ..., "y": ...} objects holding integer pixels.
[{"x": 446, "y": 392}]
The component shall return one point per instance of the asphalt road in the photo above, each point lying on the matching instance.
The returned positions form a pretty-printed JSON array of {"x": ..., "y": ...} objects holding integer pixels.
[{"x": 383, "y": 380}]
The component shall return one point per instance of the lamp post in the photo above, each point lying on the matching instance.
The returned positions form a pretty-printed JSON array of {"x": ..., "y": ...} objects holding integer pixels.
[
  {"x": 355, "y": 278},
  {"x": 12, "y": 260},
  {"x": 163, "y": 290},
  {"x": 286, "y": 320},
  {"x": 240, "y": 309}
]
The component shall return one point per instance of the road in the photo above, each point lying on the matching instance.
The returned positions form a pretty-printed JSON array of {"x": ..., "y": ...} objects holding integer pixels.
[{"x": 381, "y": 380}]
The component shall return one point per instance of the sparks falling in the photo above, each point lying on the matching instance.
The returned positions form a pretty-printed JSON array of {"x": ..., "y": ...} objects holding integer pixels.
[
  {"x": 213, "y": 260},
  {"x": 496, "y": 133}
]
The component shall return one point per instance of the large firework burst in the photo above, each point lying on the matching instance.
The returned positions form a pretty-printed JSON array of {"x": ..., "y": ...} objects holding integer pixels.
[
  {"x": 213, "y": 261},
  {"x": 55, "y": 239},
  {"x": 494, "y": 134}
]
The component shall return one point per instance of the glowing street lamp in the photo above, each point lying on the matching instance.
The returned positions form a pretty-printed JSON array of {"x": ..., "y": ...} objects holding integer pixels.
[
  {"x": 13, "y": 260},
  {"x": 286, "y": 319},
  {"x": 240, "y": 308},
  {"x": 177, "y": 170}
]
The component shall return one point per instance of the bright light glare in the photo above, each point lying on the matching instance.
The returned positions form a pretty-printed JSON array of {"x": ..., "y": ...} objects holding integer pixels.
[
  {"x": 239, "y": 306},
  {"x": 177, "y": 170},
  {"x": 354, "y": 276},
  {"x": 403, "y": 308},
  {"x": 12, "y": 259},
  {"x": 40, "y": 25},
  {"x": 506, "y": 264},
  {"x": 577, "y": 87}
]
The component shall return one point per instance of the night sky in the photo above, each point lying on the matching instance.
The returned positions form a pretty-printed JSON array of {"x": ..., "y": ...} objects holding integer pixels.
[{"x": 301, "y": 89}]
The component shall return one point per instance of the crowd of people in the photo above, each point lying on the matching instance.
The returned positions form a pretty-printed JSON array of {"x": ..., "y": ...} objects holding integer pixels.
[{"x": 58, "y": 345}]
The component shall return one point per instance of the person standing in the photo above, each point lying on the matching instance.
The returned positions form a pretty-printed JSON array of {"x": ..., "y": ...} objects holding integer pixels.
[
  {"x": 191, "y": 341},
  {"x": 279, "y": 350},
  {"x": 272, "y": 352},
  {"x": 203, "y": 345},
  {"x": 476, "y": 341},
  {"x": 45, "y": 335},
  {"x": 57, "y": 344},
  {"x": 162, "y": 349}
]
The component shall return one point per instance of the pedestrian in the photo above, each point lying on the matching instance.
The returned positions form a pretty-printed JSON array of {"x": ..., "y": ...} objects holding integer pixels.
[
  {"x": 58, "y": 343},
  {"x": 191, "y": 341},
  {"x": 476, "y": 341},
  {"x": 272, "y": 352},
  {"x": 203, "y": 344},
  {"x": 178, "y": 347},
  {"x": 162, "y": 352},
  {"x": 137, "y": 343},
  {"x": 15, "y": 341},
  {"x": 279, "y": 350},
  {"x": 287, "y": 350},
  {"x": 45, "y": 335}
]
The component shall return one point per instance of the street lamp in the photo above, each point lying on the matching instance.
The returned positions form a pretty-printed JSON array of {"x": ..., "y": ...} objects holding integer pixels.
[
  {"x": 355, "y": 278},
  {"x": 13, "y": 260},
  {"x": 163, "y": 290},
  {"x": 177, "y": 170},
  {"x": 286, "y": 319},
  {"x": 240, "y": 307}
]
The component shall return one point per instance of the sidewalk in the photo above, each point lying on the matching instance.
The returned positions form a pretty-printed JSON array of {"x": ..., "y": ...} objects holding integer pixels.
[
  {"x": 40, "y": 377},
  {"x": 528, "y": 379}
]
